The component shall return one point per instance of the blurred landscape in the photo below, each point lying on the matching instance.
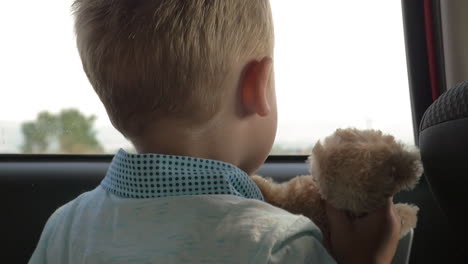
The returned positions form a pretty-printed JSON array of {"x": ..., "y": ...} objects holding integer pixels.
[
  {"x": 321, "y": 83},
  {"x": 290, "y": 140},
  {"x": 11, "y": 140}
]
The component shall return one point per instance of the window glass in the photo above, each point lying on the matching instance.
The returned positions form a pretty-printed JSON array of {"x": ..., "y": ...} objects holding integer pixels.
[{"x": 337, "y": 64}]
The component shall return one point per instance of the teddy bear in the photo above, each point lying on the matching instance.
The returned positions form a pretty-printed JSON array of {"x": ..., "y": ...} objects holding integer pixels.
[{"x": 353, "y": 170}]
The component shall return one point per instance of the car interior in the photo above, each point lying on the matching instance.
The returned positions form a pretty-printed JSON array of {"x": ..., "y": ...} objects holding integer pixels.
[{"x": 33, "y": 186}]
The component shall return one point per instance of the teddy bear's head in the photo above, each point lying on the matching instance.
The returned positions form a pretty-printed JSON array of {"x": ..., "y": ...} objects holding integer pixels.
[{"x": 357, "y": 170}]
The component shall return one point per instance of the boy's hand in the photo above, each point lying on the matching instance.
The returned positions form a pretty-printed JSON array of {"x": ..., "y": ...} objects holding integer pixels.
[{"x": 369, "y": 239}]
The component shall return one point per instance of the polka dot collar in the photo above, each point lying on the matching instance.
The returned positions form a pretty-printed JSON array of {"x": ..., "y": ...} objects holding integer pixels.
[{"x": 157, "y": 175}]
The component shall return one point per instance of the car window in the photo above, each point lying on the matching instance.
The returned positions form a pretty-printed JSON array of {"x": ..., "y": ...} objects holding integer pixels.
[{"x": 337, "y": 64}]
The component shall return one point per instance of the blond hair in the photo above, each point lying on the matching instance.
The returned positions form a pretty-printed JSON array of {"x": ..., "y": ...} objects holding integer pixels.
[{"x": 152, "y": 58}]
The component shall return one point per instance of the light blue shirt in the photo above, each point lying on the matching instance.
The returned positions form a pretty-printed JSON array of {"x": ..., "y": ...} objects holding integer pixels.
[{"x": 154, "y": 208}]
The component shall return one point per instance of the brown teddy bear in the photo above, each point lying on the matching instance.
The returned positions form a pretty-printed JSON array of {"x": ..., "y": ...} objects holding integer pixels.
[{"x": 354, "y": 170}]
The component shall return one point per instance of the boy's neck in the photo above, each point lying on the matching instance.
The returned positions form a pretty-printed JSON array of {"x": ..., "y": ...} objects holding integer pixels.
[{"x": 212, "y": 141}]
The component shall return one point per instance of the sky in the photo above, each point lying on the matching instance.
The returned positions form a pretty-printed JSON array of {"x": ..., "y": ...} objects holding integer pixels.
[{"x": 337, "y": 63}]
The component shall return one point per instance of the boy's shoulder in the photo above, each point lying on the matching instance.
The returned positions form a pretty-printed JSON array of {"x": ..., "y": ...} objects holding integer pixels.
[
  {"x": 239, "y": 228},
  {"x": 222, "y": 209},
  {"x": 229, "y": 213}
]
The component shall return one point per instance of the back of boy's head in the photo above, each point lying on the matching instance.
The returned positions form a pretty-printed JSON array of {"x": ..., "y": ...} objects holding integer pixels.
[{"x": 148, "y": 59}]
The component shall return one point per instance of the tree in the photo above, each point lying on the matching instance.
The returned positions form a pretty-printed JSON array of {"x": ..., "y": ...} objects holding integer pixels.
[{"x": 67, "y": 132}]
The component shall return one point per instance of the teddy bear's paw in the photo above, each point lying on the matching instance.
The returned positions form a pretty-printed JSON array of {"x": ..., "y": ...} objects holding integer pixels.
[
  {"x": 272, "y": 192},
  {"x": 408, "y": 215},
  {"x": 264, "y": 184}
]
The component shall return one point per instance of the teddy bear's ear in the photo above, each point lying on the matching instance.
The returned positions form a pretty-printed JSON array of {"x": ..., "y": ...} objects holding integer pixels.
[
  {"x": 318, "y": 153},
  {"x": 316, "y": 162},
  {"x": 406, "y": 167}
]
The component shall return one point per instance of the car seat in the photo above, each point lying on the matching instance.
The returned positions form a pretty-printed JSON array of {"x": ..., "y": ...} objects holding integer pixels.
[{"x": 443, "y": 141}]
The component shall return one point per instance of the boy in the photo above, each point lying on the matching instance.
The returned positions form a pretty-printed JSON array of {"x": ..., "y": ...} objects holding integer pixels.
[{"x": 190, "y": 84}]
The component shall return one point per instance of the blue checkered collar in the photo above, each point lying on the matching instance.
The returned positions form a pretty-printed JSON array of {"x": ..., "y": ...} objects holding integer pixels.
[{"x": 157, "y": 175}]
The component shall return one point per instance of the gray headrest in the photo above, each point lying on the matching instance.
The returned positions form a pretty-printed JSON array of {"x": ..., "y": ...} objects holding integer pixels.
[
  {"x": 452, "y": 105},
  {"x": 443, "y": 141}
]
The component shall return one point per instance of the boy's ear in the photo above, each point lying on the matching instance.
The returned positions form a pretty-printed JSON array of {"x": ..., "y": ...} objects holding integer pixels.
[{"x": 254, "y": 86}]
